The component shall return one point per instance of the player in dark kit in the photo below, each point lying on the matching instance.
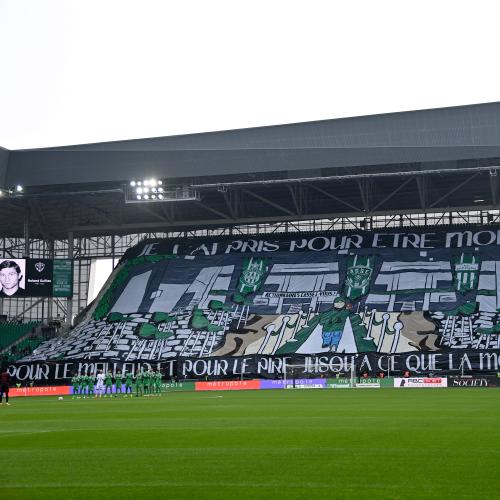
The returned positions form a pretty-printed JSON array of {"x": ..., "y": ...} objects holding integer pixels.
[
  {"x": 4, "y": 386},
  {"x": 75, "y": 382}
]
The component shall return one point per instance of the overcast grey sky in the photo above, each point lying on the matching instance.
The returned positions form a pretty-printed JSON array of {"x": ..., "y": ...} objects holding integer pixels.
[{"x": 97, "y": 70}]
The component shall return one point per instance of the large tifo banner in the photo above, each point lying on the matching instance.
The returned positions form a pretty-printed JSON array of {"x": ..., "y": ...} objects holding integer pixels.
[
  {"x": 411, "y": 295},
  {"x": 269, "y": 367},
  {"x": 36, "y": 278}
]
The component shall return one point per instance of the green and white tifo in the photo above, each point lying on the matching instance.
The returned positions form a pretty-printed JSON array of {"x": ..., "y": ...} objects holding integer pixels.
[
  {"x": 385, "y": 444},
  {"x": 214, "y": 301}
]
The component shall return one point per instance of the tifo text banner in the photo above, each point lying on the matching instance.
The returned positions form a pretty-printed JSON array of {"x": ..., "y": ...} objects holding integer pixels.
[{"x": 269, "y": 367}]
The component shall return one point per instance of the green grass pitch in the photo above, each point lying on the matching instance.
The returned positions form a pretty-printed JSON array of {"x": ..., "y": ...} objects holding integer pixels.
[{"x": 367, "y": 444}]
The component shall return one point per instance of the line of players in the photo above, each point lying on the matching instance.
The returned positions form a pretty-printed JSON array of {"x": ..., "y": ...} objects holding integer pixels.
[{"x": 143, "y": 383}]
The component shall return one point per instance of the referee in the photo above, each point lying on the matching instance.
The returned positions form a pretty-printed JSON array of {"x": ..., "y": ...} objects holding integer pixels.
[{"x": 4, "y": 386}]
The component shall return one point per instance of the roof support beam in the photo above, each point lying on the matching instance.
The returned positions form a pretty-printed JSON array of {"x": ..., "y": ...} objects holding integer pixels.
[
  {"x": 333, "y": 197},
  {"x": 269, "y": 202},
  {"x": 98, "y": 211},
  {"x": 36, "y": 211},
  {"x": 167, "y": 209},
  {"x": 366, "y": 191},
  {"x": 218, "y": 223},
  {"x": 231, "y": 200},
  {"x": 494, "y": 185},
  {"x": 156, "y": 215},
  {"x": 456, "y": 188},
  {"x": 213, "y": 210},
  {"x": 297, "y": 194},
  {"x": 423, "y": 192},
  {"x": 392, "y": 193}
]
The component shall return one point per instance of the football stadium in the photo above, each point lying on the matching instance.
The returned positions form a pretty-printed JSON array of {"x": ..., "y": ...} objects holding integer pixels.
[{"x": 297, "y": 311}]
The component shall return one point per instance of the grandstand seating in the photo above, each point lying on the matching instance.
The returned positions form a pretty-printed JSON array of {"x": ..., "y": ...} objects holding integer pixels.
[
  {"x": 26, "y": 346},
  {"x": 20, "y": 339},
  {"x": 12, "y": 331}
]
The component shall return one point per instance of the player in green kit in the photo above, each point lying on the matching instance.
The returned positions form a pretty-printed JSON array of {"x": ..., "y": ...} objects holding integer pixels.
[
  {"x": 147, "y": 382},
  {"x": 158, "y": 380},
  {"x": 81, "y": 386},
  {"x": 118, "y": 383},
  {"x": 151, "y": 381},
  {"x": 139, "y": 383},
  {"x": 128, "y": 384},
  {"x": 75, "y": 382},
  {"x": 108, "y": 384}
]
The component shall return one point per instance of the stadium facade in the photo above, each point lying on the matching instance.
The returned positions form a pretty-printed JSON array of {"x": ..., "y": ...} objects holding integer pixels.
[{"x": 423, "y": 172}]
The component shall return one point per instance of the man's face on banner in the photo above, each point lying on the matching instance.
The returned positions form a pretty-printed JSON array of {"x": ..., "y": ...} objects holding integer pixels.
[{"x": 9, "y": 279}]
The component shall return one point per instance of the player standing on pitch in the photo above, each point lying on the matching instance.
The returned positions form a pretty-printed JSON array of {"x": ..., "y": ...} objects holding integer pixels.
[
  {"x": 108, "y": 382},
  {"x": 147, "y": 382},
  {"x": 85, "y": 385},
  {"x": 118, "y": 383},
  {"x": 4, "y": 386},
  {"x": 128, "y": 384},
  {"x": 81, "y": 386},
  {"x": 158, "y": 380},
  {"x": 75, "y": 382},
  {"x": 139, "y": 382},
  {"x": 91, "y": 386},
  {"x": 100, "y": 383}
]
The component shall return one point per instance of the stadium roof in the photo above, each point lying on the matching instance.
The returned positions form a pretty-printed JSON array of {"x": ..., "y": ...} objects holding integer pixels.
[{"x": 412, "y": 161}]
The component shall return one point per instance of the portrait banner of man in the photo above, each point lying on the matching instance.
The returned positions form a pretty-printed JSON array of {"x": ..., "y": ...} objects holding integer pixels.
[{"x": 12, "y": 277}]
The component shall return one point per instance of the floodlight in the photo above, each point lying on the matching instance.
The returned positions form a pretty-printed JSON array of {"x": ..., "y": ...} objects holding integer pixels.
[
  {"x": 153, "y": 191},
  {"x": 19, "y": 189},
  {"x": 132, "y": 183}
]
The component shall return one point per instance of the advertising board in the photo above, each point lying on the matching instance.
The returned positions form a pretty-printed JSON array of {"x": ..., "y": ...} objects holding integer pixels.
[{"x": 421, "y": 382}]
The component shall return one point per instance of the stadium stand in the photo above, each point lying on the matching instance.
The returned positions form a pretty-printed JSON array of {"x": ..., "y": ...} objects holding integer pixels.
[
  {"x": 11, "y": 332},
  {"x": 228, "y": 243}
]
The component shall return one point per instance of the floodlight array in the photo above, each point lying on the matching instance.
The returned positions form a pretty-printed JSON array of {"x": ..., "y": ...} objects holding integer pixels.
[
  {"x": 148, "y": 190},
  {"x": 154, "y": 190},
  {"x": 17, "y": 190}
]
